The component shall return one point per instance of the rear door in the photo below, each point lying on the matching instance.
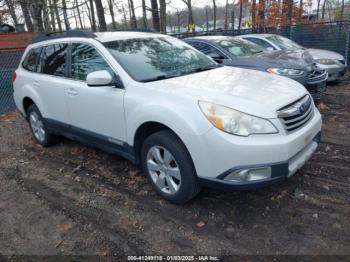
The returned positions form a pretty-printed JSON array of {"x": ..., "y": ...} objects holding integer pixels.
[
  {"x": 49, "y": 81},
  {"x": 95, "y": 111}
]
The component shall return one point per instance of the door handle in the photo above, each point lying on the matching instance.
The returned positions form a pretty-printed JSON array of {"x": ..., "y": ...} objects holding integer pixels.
[{"x": 72, "y": 92}]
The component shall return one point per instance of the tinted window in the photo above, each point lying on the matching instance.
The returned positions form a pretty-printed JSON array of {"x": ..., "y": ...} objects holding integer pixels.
[
  {"x": 149, "y": 59},
  {"x": 53, "y": 60},
  {"x": 29, "y": 61},
  {"x": 86, "y": 59},
  {"x": 260, "y": 42}
]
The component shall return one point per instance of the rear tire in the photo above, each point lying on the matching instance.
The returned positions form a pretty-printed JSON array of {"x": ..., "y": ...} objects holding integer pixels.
[
  {"x": 169, "y": 167},
  {"x": 38, "y": 129}
]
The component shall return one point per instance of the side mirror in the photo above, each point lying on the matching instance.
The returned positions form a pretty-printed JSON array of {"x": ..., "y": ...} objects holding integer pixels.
[{"x": 99, "y": 78}]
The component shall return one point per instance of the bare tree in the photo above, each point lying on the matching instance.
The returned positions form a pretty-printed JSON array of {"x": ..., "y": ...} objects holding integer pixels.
[
  {"x": 55, "y": 7},
  {"x": 133, "y": 22},
  {"x": 144, "y": 14},
  {"x": 318, "y": 9},
  {"x": 214, "y": 18},
  {"x": 162, "y": 13},
  {"x": 79, "y": 16},
  {"x": 301, "y": 8},
  {"x": 12, "y": 11},
  {"x": 253, "y": 11},
  {"x": 191, "y": 25},
  {"x": 27, "y": 19},
  {"x": 36, "y": 9},
  {"x": 240, "y": 15},
  {"x": 101, "y": 15},
  {"x": 155, "y": 15},
  {"x": 92, "y": 15},
  {"x": 65, "y": 15},
  {"x": 111, "y": 11},
  {"x": 342, "y": 10},
  {"x": 226, "y": 15},
  {"x": 324, "y": 8}
]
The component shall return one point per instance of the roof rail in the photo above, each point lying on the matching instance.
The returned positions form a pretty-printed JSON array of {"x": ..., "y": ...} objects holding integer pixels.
[
  {"x": 63, "y": 34},
  {"x": 144, "y": 30}
]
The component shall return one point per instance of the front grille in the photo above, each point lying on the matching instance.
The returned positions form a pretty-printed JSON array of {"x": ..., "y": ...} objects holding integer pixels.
[
  {"x": 296, "y": 114},
  {"x": 316, "y": 76}
]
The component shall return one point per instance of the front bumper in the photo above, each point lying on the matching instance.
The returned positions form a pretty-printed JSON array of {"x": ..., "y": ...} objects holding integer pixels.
[
  {"x": 215, "y": 153},
  {"x": 335, "y": 72},
  {"x": 279, "y": 171}
]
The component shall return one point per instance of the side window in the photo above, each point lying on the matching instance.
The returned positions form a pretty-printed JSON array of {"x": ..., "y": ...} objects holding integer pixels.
[
  {"x": 260, "y": 42},
  {"x": 30, "y": 60},
  {"x": 86, "y": 59},
  {"x": 209, "y": 51},
  {"x": 53, "y": 60}
]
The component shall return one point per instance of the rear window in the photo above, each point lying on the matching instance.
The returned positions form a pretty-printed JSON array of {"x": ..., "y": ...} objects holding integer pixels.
[
  {"x": 30, "y": 60},
  {"x": 53, "y": 60}
]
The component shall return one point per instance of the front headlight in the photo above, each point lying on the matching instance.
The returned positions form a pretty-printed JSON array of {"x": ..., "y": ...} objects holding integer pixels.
[
  {"x": 236, "y": 122},
  {"x": 326, "y": 61},
  {"x": 285, "y": 71}
]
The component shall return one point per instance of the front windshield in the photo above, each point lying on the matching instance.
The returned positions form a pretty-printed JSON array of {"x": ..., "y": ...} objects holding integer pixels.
[
  {"x": 154, "y": 58},
  {"x": 283, "y": 42},
  {"x": 239, "y": 47}
]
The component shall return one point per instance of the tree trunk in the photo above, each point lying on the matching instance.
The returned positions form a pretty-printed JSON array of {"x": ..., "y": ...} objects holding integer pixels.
[
  {"x": 324, "y": 8},
  {"x": 262, "y": 16},
  {"x": 290, "y": 11},
  {"x": 342, "y": 10},
  {"x": 79, "y": 16},
  {"x": 191, "y": 25},
  {"x": 101, "y": 15},
  {"x": 57, "y": 15},
  {"x": 155, "y": 15},
  {"x": 133, "y": 22},
  {"x": 37, "y": 17},
  {"x": 144, "y": 14},
  {"x": 26, "y": 15},
  {"x": 92, "y": 14},
  {"x": 214, "y": 18},
  {"x": 226, "y": 15},
  {"x": 52, "y": 16},
  {"x": 240, "y": 15},
  {"x": 111, "y": 11},
  {"x": 301, "y": 7},
  {"x": 65, "y": 16},
  {"x": 253, "y": 15},
  {"x": 318, "y": 8},
  {"x": 12, "y": 11},
  {"x": 162, "y": 12}
]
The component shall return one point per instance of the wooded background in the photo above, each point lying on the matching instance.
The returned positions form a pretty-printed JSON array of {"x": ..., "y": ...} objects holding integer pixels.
[{"x": 172, "y": 16}]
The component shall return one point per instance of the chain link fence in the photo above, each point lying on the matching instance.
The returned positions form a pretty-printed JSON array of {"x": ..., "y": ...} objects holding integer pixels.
[
  {"x": 333, "y": 36},
  {"x": 9, "y": 61}
]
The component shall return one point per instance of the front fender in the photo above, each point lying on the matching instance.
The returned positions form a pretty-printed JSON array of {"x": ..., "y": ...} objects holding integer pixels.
[{"x": 184, "y": 122}]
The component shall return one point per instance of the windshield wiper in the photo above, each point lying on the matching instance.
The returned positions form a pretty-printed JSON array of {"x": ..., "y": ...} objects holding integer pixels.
[
  {"x": 160, "y": 77},
  {"x": 206, "y": 68}
]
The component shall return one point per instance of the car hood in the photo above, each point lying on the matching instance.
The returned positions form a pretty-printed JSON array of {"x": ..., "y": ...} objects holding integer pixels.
[
  {"x": 295, "y": 59},
  {"x": 324, "y": 54},
  {"x": 253, "y": 92}
]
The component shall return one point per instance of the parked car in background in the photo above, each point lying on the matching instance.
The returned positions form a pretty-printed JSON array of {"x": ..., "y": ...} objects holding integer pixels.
[
  {"x": 333, "y": 62},
  {"x": 160, "y": 103},
  {"x": 235, "y": 51}
]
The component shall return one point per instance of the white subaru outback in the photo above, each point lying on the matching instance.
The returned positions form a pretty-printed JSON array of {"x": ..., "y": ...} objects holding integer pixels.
[{"x": 158, "y": 102}]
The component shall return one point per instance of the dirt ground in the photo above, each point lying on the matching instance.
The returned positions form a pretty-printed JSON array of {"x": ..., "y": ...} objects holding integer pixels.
[{"x": 71, "y": 199}]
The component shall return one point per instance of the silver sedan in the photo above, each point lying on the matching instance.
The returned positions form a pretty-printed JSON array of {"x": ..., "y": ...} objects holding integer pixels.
[{"x": 333, "y": 62}]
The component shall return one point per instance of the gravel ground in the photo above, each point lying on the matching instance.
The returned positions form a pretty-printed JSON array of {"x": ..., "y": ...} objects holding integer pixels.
[{"x": 74, "y": 200}]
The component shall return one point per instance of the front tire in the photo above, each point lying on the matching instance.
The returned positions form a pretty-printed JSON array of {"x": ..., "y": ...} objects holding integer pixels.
[
  {"x": 169, "y": 167},
  {"x": 38, "y": 129}
]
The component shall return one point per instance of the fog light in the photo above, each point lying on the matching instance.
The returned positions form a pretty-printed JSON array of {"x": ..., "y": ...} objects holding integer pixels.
[{"x": 249, "y": 174}]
